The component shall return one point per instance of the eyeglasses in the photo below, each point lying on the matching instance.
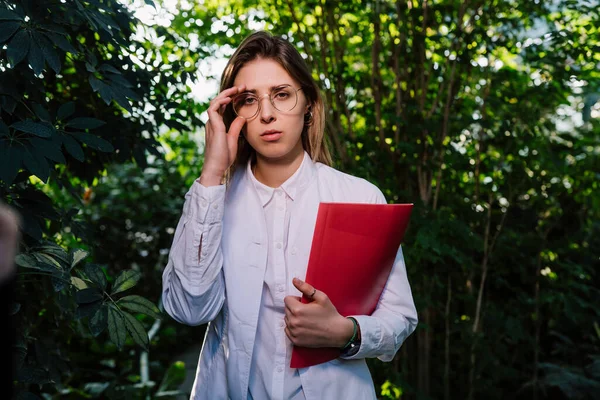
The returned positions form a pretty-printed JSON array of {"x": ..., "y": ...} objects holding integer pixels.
[{"x": 284, "y": 99}]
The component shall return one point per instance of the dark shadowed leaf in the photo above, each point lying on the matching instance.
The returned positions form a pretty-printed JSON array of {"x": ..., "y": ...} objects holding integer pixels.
[
  {"x": 85, "y": 123},
  {"x": 116, "y": 327},
  {"x": 86, "y": 310},
  {"x": 36, "y": 163},
  {"x": 88, "y": 295},
  {"x": 41, "y": 112},
  {"x": 36, "y": 58},
  {"x": 28, "y": 126},
  {"x": 7, "y": 15},
  {"x": 73, "y": 148},
  {"x": 61, "y": 42},
  {"x": 48, "y": 51},
  {"x": 18, "y": 47},
  {"x": 139, "y": 304},
  {"x": 96, "y": 275},
  {"x": 95, "y": 142},
  {"x": 49, "y": 148},
  {"x": 12, "y": 156},
  {"x": 7, "y": 29},
  {"x": 65, "y": 111},
  {"x": 136, "y": 330},
  {"x": 99, "y": 321}
]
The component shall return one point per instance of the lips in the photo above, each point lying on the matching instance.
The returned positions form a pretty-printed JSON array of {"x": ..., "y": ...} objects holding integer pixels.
[{"x": 271, "y": 135}]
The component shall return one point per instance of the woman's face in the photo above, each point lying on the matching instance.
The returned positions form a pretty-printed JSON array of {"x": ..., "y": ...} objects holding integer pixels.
[{"x": 264, "y": 77}]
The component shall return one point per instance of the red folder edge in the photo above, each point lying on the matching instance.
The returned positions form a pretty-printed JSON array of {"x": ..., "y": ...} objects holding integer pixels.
[{"x": 303, "y": 356}]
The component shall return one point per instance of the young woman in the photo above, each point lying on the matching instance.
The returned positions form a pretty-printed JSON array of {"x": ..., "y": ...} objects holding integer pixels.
[{"x": 243, "y": 241}]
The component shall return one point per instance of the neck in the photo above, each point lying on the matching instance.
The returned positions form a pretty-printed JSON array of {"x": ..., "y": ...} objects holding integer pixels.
[{"x": 274, "y": 172}]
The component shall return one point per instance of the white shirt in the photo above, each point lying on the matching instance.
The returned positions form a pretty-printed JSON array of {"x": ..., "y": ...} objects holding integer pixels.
[
  {"x": 216, "y": 273},
  {"x": 270, "y": 374}
]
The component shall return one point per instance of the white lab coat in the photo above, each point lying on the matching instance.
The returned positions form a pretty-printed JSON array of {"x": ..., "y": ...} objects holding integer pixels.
[{"x": 215, "y": 274}]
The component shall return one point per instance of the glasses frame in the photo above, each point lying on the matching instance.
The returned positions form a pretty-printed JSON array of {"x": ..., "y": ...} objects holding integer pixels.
[{"x": 259, "y": 99}]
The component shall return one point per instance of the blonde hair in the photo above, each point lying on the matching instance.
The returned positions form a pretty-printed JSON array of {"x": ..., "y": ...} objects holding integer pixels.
[{"x": 267, "y": 46}]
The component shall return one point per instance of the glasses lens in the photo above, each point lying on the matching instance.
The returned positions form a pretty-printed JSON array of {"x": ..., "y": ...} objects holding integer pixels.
[
  {"x": 284, "y": 99},
  {"x": 245, "y": 105}
]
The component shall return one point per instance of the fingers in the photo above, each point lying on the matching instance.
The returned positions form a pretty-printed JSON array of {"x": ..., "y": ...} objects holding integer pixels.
[{"x": 308, "y": 290}]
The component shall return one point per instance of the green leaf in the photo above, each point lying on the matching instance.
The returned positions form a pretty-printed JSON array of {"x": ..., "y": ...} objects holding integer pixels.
[
  {"x": 49, "y": 148},
  {"x": 136, "y": 330},
  {"x": 109, "y": 68},
  {"x": 12, "y": 157},
  {"x": 88, "y": 295},
  {"x": 36, "y": 58},
  {"x": 125, "y": 280},
  {"x": 4, "y": 129},
  {"x": 95, "y": 274},
  {"x": 73, "y": 148},
  {"x": 139, "y": 304},
  {"x": 116, "y": 327},
  {"x": 28, "y": 261},
  {"x": 41, "y": 112},
  {"x": 150, "y": 3},
  {"x": 120, "y": 98},
  {"x": 7, "y": 15},
  {"x": 76, "y": 256},
  {"x": 61, "y": 42},
  {"x": 36, "y": 164},
  {"x": 85, "y": 123},
  {"x": 86, "y": 310},
  {"x": 49, "y": 53},
  {"x": 65, "y": 110},
  {"x": 28, "y": 126},
  {"x": 18, "y": 47},
  {"x": 99, "y": 321},
  {"x": 95, "y": 142},
  {"x": 7, "y": 29}
]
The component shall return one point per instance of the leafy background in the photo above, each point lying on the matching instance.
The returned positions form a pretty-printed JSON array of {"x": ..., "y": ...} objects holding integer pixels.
[{"x": 483, "y": 114}]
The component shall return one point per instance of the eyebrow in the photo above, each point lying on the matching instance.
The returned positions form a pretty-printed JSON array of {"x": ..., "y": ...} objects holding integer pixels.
[{"x": 253, "y": 91}]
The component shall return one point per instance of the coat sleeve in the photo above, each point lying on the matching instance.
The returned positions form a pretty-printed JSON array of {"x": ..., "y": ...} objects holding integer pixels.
[
  {"x": 193, "y": 290},
  {"x": 395, "y": 316}
]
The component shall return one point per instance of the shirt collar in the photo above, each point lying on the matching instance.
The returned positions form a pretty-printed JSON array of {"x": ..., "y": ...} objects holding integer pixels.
[{"x": 298, "y": 180}]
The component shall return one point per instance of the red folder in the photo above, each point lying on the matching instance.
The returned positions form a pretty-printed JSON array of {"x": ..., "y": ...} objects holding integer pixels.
[{"x": 353, "y": 250}]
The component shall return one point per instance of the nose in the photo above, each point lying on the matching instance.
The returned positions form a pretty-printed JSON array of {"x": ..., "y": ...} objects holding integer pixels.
[{"x": 267, "y": 113}]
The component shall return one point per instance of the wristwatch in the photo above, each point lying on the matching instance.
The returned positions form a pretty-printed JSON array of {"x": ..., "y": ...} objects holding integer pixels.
[{"x": 353, "y": 345}]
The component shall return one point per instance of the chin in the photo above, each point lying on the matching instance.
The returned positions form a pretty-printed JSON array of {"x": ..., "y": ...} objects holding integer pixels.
[{"x": 277, "y": 150}]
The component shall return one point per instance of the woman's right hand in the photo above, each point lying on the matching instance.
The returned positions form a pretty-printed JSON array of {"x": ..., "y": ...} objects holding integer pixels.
[{"x": 220, "y": 147}]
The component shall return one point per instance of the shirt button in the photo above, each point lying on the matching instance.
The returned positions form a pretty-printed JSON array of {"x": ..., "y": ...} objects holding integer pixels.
[
  {"x": 204, "y": 203},
  {"x": 216, "y": 206},
  {"x": 294, "y": 251},
  {"x": 281, "y": 324},
  {"x": 279, "y": 194},
  {"x": 280, "y": 288},
  {"x": 279, "y": 369},
  {"x": 279, "y": 245}
]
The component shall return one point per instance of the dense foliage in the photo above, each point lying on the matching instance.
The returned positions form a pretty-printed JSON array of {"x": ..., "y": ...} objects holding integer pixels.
[{"x": 483, "y": 114}]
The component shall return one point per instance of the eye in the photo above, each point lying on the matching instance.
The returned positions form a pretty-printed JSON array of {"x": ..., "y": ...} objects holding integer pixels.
[
  {"x": 248, "y": 100},
  {"x": 282, "y": 94}
]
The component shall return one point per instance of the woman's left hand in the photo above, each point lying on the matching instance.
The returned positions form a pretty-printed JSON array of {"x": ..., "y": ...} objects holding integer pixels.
[{"x": 315, "y": 324}]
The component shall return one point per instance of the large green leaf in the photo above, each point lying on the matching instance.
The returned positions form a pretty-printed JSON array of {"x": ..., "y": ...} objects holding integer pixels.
[
  {"x": 7, "y": 15},
  {"x": 96, "y": 275},
  {"x": 139, "y": 304},
  {"x": 125, "y": 280},
  {"x": 88, "y": 295},
  {"x": 12, "y": 156},
  {"x": 65, "y": 110},
  {"x": 18, "y": 47},
  {"x": 116, "y": 327},
  {"x": 99, "y": 321},
  {"x": 85, "y": 123},
  {"x": 86, "y": 310},
  {"x": 35, "y": 163},
  {"x": 34, "y": 128},
  {"x": 49, "y": 148},
  {"x": 7, "y": 29},
  {"x": 36, "y": 58},
  {"x": 72, "y": 147},
  {"x": 48, "y": 51},
  {"x": 95, "y": 142},
  {"x": 61, "y": 42},
  {"x": 136, "y": 330}
]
